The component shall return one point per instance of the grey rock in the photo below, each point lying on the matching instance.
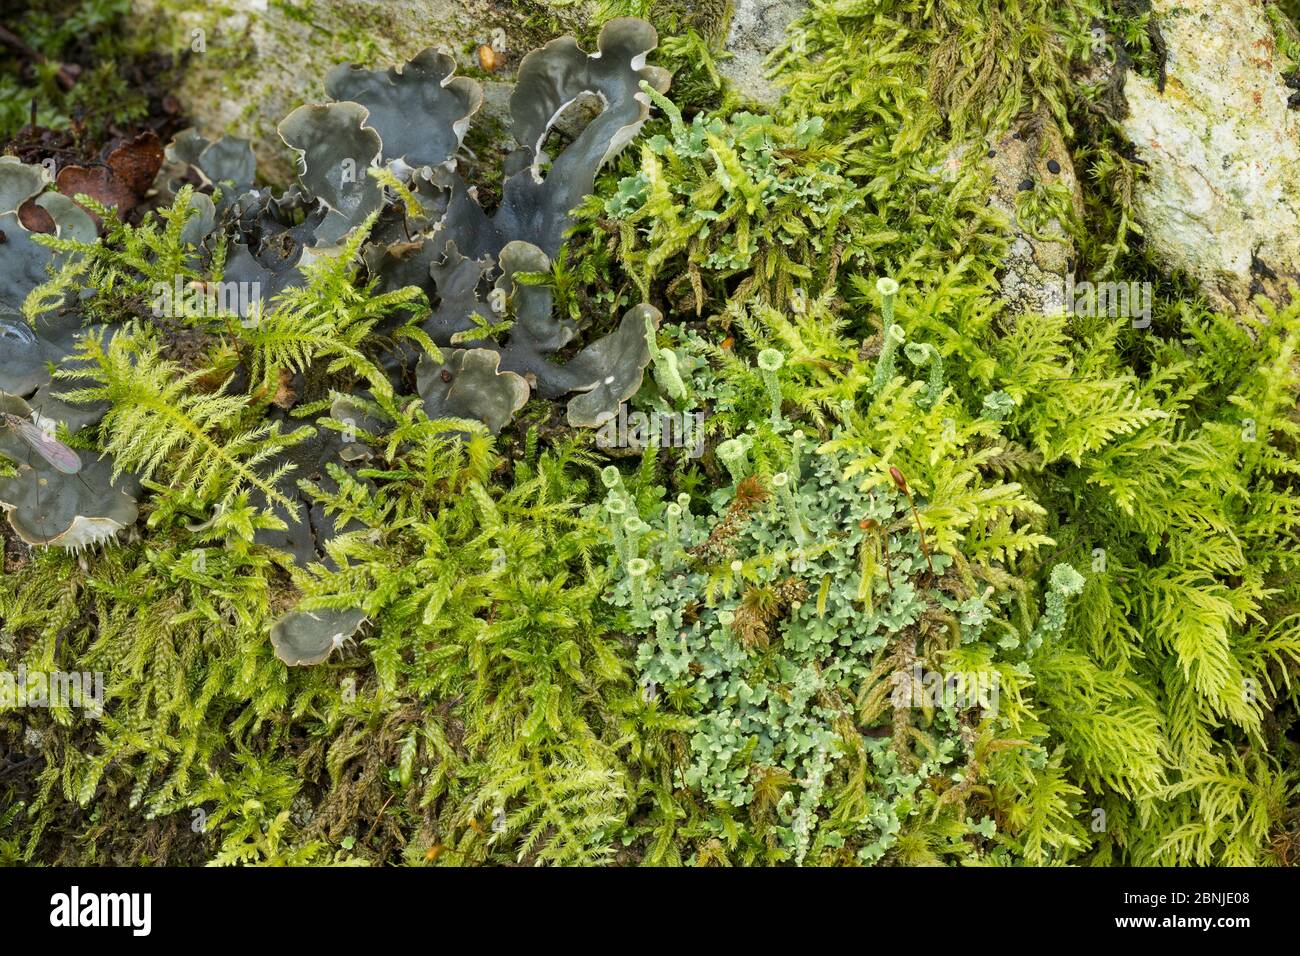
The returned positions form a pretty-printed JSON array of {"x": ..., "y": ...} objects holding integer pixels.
[
  {"x": 1041, "y": 256},
  {"x": 757, "y": 28},
  {"x": 252, "y": 63}
]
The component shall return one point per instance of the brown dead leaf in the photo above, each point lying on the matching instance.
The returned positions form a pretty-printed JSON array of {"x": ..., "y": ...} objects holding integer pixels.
[
  {"x": 123, "y": 180},
  {"x": 285, "y": 395},
  {"x": 137, "y": 162},
  {"x": 34, "y": 218},
  {"x": 100, "y": 183}
]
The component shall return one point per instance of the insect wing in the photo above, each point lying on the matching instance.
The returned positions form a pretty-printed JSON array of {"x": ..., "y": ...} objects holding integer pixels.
[{"x": 59, "y": 455}]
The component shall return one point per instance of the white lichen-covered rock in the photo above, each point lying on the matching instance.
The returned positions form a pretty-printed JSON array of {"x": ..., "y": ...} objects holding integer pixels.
[
  {"x": 757, "y": 28},
  {"x": 1221, "y": 200}
]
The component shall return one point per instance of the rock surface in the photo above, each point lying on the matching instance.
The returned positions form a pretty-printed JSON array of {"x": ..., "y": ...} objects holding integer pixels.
[
  {"x": 1041, "y": 254},
  {"x": 1221, "y": 199},
  {"x": 757, "y": 28},
  {"x": 251, "y": 62}
]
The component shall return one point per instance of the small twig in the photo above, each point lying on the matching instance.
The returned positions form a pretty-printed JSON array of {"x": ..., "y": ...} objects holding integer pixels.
[
  {"x": 378, "y": 817},
  {"x": 19, "y": 765},
  {"x": 62, "y": 76}
]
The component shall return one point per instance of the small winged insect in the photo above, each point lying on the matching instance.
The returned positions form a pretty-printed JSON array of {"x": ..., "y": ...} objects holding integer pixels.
[{"x": 58, "y": 455}]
